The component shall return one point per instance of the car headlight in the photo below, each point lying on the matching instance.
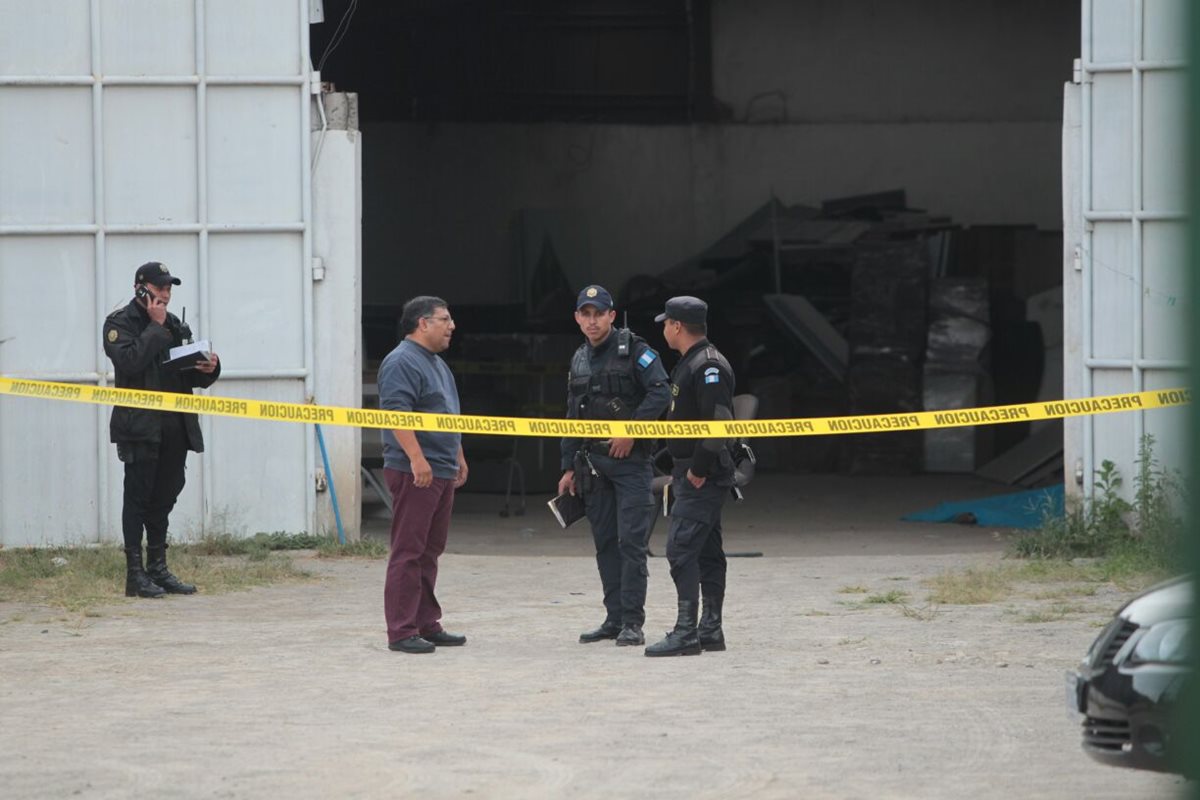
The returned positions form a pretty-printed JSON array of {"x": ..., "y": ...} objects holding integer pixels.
[{"x": 1166, "y": 642}]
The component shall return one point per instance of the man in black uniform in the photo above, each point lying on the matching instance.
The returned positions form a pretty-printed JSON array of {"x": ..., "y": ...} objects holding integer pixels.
[
  {"x": 152, "y": 444},
  {"x": 701, "y": 479},
  {"x": 614, "y": 375}
]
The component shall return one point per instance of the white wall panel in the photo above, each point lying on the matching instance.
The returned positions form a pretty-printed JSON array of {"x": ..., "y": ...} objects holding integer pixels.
[
  {"x": 1112, "y": 290},
  {"x": 1166, "y": 306},
  {"x": 258, "y": 324},
  {"x": 48, "y": 462},
  {"x": 252, "y": 38},
  {"x": 1114, "y": 433},
  {"x": 150, "y": 154},
  {"x": 253, "y": 174},
  {"x": 1164, "y": 140},
  {"x": 45, "y": 155},
  {"x": 148, "y": 37},
  {"x": 40, "y": 277},
  {"x": 1165, "y": 30},
  {"x": 1112, "y": 142},
  {"x": 1112, "y": 26},
  {"x": 26, "y": 28},
  {"x": 257, "y": 484}
]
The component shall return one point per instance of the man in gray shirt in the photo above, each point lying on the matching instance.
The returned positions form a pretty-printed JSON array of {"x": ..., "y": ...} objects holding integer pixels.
[{"x": 422, "y": 469}]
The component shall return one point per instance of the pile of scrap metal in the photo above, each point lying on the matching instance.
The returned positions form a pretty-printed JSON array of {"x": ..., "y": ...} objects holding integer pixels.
[{"x": 867, "y": 306}]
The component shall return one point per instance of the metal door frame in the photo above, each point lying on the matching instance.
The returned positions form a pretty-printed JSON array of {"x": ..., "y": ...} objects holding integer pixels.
[{"x": 1136, "y": 217}]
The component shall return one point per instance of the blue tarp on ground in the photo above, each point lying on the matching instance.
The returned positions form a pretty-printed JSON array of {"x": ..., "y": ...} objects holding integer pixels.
[{"x": 1021, "y": 510}]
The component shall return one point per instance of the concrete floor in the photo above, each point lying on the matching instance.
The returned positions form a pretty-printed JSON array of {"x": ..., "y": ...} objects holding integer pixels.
[{"x": 786, "y": 515}]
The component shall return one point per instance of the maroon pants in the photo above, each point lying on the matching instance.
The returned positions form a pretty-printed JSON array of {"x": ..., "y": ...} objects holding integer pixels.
[{"x": 420, "y": 522}]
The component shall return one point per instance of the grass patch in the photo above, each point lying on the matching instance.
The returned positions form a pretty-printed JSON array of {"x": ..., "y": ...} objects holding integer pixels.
[
  {"x": 853, "y": 590},
  {"x": 363, "y": 548},
  {"x": 260, "y": 545},
  {"x": 1142, "y": 536},
  {"x": 1055, "y": 613},
  {"x": 78, "y": 579},
  {"x": 886, "y": 598},
  {"x": 972, "y": 587}
]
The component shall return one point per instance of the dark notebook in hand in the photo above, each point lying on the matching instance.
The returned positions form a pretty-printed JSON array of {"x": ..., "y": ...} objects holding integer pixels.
[{"x": 566, "y": 508}]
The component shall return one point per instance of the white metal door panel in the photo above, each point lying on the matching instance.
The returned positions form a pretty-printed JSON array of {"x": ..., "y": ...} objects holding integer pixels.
[
  {"x": 148, "y": 37},
  {"x": 1112, "y": 137},
  {"x": 45, "y": 156},
  {"x": 40, "y": 277},
  {"x": 1164, "y": 140},
  {"x": 48, "y": 460},
  {"x": 252, "y": 168},
  {"x": 1112, "y": 290},
  {"x": 264, "y": 330},
  {"x": 173, "y": 130},
  {"x": 150, "y": 155},
  {"x": 51, "y": 37},
  {"x": 1164, "y": 300},
  {"x": 1133, "y": 250},
  {"x": 253, "y": 38},
  {"x": 266, "y": 491}
]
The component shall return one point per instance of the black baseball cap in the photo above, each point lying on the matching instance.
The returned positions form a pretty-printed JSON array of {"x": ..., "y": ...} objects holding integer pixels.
[
  {"x": 155, "y": 272},
  {"x": 691, "y": 310},
  {"x": 596, "y": 296}
]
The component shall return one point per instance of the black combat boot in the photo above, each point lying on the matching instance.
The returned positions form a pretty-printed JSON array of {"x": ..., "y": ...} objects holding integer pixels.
[
  {"x": 137, "y": 582},
  {"x": 711, "y": 635},
  {"x": 683, "y": 640},
  {"x": 156, "y": 567}
]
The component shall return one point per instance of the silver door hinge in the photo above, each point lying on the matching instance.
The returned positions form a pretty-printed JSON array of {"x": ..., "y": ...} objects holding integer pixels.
[
  {"x": 1077, "y": 71},
  {"x": 318, "y": 269},
  {"x": 1077, "y": 259}
]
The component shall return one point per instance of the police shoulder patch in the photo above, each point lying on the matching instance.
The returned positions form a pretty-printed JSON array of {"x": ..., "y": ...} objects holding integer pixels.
[
  {"x": 713, "y": 378},
  {"x": 712, "y": 371},
  {"x": 647, "y": 358},
  {"x": 112, "y": 334}
]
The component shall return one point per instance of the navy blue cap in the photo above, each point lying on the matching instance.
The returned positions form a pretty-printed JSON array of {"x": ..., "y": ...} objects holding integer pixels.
[
  {"x": 155, "y": 272},
  {"x": 691, "y": 310},
  {"x": 596, "y": 296}
]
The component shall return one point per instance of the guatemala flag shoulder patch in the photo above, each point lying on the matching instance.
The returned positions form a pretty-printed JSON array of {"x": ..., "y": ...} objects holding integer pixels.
[
  {"x": 713, "y": 378},
  {"x": 647, "y": 358}
]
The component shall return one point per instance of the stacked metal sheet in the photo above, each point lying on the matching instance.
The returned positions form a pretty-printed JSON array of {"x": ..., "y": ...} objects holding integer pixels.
[
  {"x": 886, "y": 333},
  {"x": 955, "y": 369}
]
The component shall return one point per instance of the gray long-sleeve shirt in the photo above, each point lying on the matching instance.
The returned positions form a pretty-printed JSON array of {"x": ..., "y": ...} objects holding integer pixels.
[{"x": 413, "y": 379}]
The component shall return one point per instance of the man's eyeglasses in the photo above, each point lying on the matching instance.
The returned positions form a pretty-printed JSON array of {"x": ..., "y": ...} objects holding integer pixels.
[{"x": 445, "y": 318}]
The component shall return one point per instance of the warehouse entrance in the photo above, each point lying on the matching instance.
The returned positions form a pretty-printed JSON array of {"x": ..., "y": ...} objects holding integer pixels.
[{"x": 868, "y": 196}]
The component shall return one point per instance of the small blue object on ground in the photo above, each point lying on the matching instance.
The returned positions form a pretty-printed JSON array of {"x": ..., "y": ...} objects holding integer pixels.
[{"x": 1021, "y": 510}]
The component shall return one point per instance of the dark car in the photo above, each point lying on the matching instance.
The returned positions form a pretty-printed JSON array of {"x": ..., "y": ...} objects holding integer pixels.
[{"x": 1131, "y": 682}]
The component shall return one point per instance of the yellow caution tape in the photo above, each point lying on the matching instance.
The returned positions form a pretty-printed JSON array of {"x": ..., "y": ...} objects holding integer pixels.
[{"x": 591, "y": 429}]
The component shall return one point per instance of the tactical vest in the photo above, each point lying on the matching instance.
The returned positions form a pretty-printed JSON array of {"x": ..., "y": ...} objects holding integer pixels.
[{"x": 613, "y": 391}]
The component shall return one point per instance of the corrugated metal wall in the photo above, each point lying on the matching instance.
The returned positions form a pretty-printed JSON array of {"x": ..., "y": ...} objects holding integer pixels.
[
  {"x": 172, "y": 130},
  {"x": 1131, "y": 256}
]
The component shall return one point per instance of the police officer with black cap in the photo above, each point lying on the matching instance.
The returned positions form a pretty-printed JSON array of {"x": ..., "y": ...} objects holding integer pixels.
[
  {"x": 701, "y": 478},
  {"x": 152, "y": 444},
  {"x": 615, "y": 375}
]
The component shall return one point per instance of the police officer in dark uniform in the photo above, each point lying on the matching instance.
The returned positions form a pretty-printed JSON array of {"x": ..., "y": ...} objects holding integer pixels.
[
  {"x": 701, "y": 479},
  {"x": 153, "y": 445},
  {"x": 614, "y": 375}
]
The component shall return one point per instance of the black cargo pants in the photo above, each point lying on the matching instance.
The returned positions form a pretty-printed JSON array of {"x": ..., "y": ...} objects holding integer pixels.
[
  {"x": 154, "y": 477},
  {"x": 695, "y": 549},
  {"x": 618, "y": 507}
]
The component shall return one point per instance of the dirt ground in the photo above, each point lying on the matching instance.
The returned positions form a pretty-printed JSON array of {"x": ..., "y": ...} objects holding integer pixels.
[{"x": 290, "y": 691}]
